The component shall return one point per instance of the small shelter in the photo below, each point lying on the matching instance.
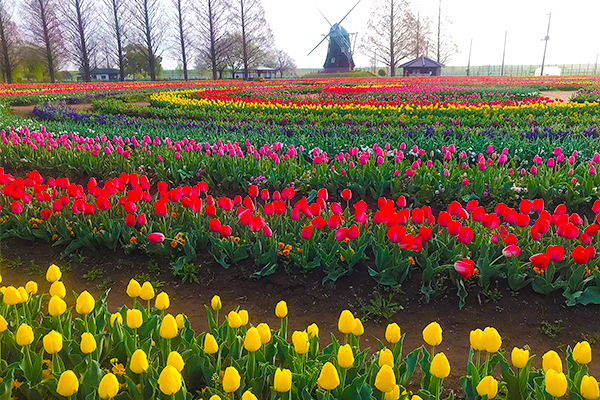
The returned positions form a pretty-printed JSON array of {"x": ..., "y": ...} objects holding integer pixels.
[
  {"x": 422, "y": 66},
  {"x": 102, "y": 75},
  {"x": 257, "y": 72}
]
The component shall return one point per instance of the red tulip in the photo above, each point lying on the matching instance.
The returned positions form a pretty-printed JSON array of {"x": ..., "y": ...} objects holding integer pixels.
[
  {"x": 592, "y": 229},
  {"x": 16, "y": 207},
  {"x": 130, "y": 220},
  {"x": 570, "y": 231},
  {"x": 336, "y": 208},
  {"x": 466, "y": 235},
  {"x": 540, "y": 260},
  {"x": 522, "y": 220},
  {"x": 585, "y": 239},
  {"x": 580, "y": 255},
  {"x": 591, "y": 251},
  {"x": 525, "y": 206},
  {"x": 264, "y": 194},
  {"x": 407, "y": 242},
  {"x": 341, "y": 234},
  {"x": 478, "y": 214},
  {"x": 269, "y": 209},
  {"x": 491, "y": 221},
  {"x": 560, "y": 209},
  {"x": 156, "y": 237},
  {"x": 353, "y": 232},
  {"x": 542, "y": 225},
  {"x": 319, "y": 223},
  {"x": 267, "y": 231},
  {"x": 509, "y": 239},
  {"x": 211, "y": 210},
  {"x": 465, "y": 267},
  {"x": 401, "y": 202},
  {"x": 444, "y": 219},
  {"x": 418, "y": 216},
  {"x": 307, "y": 232},
  {"x": 295, "y": 214},
  {"x": 333, "y": 222},
  {"x": 396, "y": 233},
  {"x": 346, "y": 194},
  {"x": 426, "y": 233},
  {"x": 538, "y": 205},
  {"x": 511, "y": 251},
  {"x": 454, "y": 228},
  {"x": 45, "y": 213},
  {"x": 214, "y": 225},
  {"x": 322, "y": 194},
  {"x": 253, "y": 191},
  {"x": 454, "y": 208},
  {"x": 225, "y": 230},
  {"x": 556, "y": 253},
  {"x": 535, "y": 235}
]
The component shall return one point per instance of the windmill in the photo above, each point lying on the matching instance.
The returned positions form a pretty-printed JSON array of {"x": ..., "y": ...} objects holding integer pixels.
[{"x": 339, "y": 52}]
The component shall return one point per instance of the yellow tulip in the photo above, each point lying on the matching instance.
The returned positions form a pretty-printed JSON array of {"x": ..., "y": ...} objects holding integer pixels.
[
  {"x": 244, "y": 317},
  {"x": 582, "y": 353},
  {"x": 432, "y": 334},
  {"x": 328, "y": 378},
  {"x": 31, "y": 287},
  {"x": 385, "y": 380},
  {"x": 394, "y": 394},
  {"x": 53, "y": 342},
  {"x": 162, "y": 301},
  {"x": 392, "y": 333},
  {"x": 313, "y": 330},
  {"x": 56, "y": 306},
  {"x": 134, "y": 318},
  {"x": 491, "y": 340},
  {"x": 233, "y": 320},
  {"x": 301, "y": 342},
  {"x": 3, "y": 324},
  {"x": 134, "y": 289},
  {"x": 116, "y": 317},
  {"x": 88, "y": 343},
  {"x": 109, "y": 386},
  {"x": 147, "y": 292},
  {"x": 68, "y": 384},
  {"x": 169, "y": 381},
  {"x": 283, "y": 380},
  {"x": 180, "y": 318},
  {"x": 139, "y": 362},
  {"x": 23, "y": 293},
  {"x": 476, "y": 340},
  {"x": 347, "y": 322},
  {"x": 556, "y": 383},
  {"x": 168, "y": 327},
  {"x": 174, "y": 359},
  {"x": 386, "y": 357},
  {"x": 589, "y": 388},
  {"x": 440, "y": 367},
  {"x": 85, "y": 303},
  {"x": 53, "y": 274},
  {"x": 345, "y": 356},
  {"x": 58, "y": 289},
  {"x": 488, "y": 386},
  {"x": 265, "y": 333},
  {"x": 359, "y": 329},
  {"x": 252, "y": 341},
  {"x": 281, "y": 309},
  {"x": 214, "y": 397},
  {"x": 215, "y": 303},
  {"x": 519, "y": 357},
  {"x": 551, "y": 360},
  {"x": 231, "y": 380},
  {"x": 12, "y": 296},
  {"x": 248, "y": 395},
  {"x": 24, "y": 335},
  {"x": 210, "y": 344}
]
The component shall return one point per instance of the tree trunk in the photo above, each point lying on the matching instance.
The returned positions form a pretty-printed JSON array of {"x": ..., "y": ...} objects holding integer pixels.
[
  {"x": 213, "y": 51},
  {"x": 121, "y": 58},
  {"x": 244, "y": 44},
  {"x": 7, "y": 67},
  {"x": 392, "y": 58},
  {"x": 182, "y": 38},
  {"x": 151, "y": 60},
  {"x": 84, "y": 53},
  {"x": 47, "y": 44}
]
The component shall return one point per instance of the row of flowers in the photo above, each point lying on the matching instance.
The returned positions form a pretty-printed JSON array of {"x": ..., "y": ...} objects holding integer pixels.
[{"x": 51, "y": 350}]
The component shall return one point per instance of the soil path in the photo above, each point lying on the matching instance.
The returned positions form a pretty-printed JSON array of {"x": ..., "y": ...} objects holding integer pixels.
[
  {"x": 564, "y": 95},
  {"x": 517, "y": 316},
  {"x": 25, "y": 111}
]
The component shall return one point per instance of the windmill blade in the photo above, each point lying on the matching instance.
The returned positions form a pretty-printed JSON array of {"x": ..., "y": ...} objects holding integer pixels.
[
  {"x": 339, "y": 23},
  {"x": 326, "y": 36},
  {"x": 324, "y": 16}
]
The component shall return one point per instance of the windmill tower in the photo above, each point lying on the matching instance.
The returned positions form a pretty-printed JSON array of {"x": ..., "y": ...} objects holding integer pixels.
[{"x": 339, "y": 52}]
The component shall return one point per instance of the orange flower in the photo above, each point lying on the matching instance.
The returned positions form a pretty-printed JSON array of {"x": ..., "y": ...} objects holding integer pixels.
[
  {"x": 174, "y": 214},
  {"x": 133, "y": 240},
  {"x": 286, "y": 252},
  {"x": 174, "y": 244},
  {"x": 281, "y": 245},
  {"x": 411, "y": 261},
  {"x": 476, "y": 272}
]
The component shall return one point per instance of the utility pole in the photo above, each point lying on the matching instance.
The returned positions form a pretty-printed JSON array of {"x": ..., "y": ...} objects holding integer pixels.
[
  {"x": 503, "y": 54},
  {"x": 546, "y": 45},
  {"x": 596, "y": 64},
  {"x": 469, "y": 63}
]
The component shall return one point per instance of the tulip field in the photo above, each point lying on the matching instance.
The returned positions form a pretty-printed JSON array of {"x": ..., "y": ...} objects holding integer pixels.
[{"x": 455, "y": 186}]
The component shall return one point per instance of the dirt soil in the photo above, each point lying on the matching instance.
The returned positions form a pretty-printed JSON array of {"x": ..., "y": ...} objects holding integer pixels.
[
  {"x": 564, "y": 95},
  {"x": 517, "y": 316}
]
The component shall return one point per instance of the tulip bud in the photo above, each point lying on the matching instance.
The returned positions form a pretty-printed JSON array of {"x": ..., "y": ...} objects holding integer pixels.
[
  {"x": 180, "y": 318},
  {"x": 432, "y": 334},
  {"x": 210, "y": 344},
  {"x": 281, "y": 309},
  {"x": 265, "y": 333},
  {"x": 24, "y": 335},
  {"x": 347, "y": 322},
  {"x": 248, "y": 395},
  {"x": 215, "y": 303},
  {"x": 109, "y": 386},
  {"x": 313, "y": 330},
  {"x": 345, "y": 356},
  {"x": 53, "y": 342},
  {"x": 394, "y": 394},
  {"x": 56, "y": 306},
  {"x": 551, "y": 360},
  {"x": 116, "y": 317},
  {"x": 168, "y": 327},
  {"x": 23, "y": 293},
  {"x": 134, "y": 289},
  {"x": 88, "y": 343},
  {"x": 58, "y": 289},
  {"x": 556, "y": 383},
  {"x": 328, "y": 378},
  {"x": 476, "y": 340},
  {"x": 53, "y": 274},
  {"x": 491, "y": 340},
  {"x": 283, "y": 380},
  {"x": 68, "y": 384},
  {"x": 488, "y": 386},
  {"x": 3, "y": 324},
  {"x": 162, "y": 301},
  {"x": 134, "y": 318},
  {"x": 139, "y": 362},
  {"x": 147, "y": 292},
  {"x": 12, "y": 296},
  {"x": 231, "y": 380},
  {"x": 385, "y": 380},
  {"x": 174, "y": 359},
  {"x": 440, "y": 367},
  {"x": 252, "y": 341},
  {"x": 169, "y": 380},
  {"x": 386, "y": 357},
  {"x": 234, "y": 320},
  {"x": 582, "y": 353},
  {"x": 85, "y": 303},
  {"x": 31, "y": 287},
  {"x": 301, "y": 342},
  {"x": 589, "y": 388},
  {"x": 244, "y": 317},
  {"x": 359, "y": 329},
  {"x": 519, "y": 357},
  {"x": 392, "y": 333}
]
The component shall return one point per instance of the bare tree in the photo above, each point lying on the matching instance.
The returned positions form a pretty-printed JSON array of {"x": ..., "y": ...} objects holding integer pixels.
[
  {"x": 249, "y": 17},
  {"x": 213, "y": 39},
  {"x": 44, "y": 28},
  {"x": 445, "y": 46},
  {"x": 117, "y": 18},
  {"x": 388, "y": 33},
  {"x": 147, "y": 18},
  {"x": 282, "y": 62},
  {"x": 234, "y": 59},
  {"x": 80, "y": 31},
  {"x": 182, "y": 8},
  {"x": 9, "y": 41},
  {"x": 419, "y": 36}
]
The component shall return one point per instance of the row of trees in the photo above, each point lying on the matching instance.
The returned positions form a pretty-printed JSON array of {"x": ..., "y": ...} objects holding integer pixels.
[
  {"x": 395, "y": 32},
  {"x": 217, "y": 35}
]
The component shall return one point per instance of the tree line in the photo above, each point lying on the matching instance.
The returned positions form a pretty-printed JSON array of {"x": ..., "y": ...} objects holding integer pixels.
[{"x": 132, "y": 35}]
